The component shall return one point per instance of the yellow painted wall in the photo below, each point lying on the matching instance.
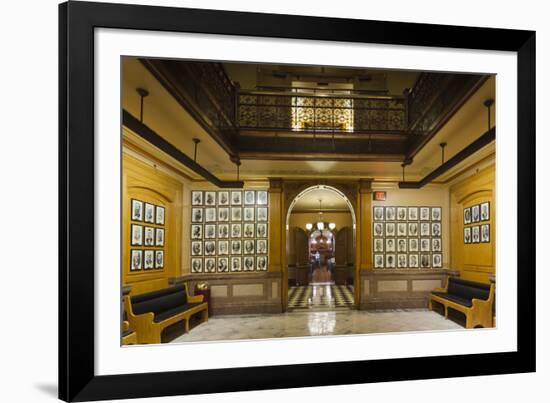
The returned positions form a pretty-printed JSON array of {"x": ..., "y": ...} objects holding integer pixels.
[{"x": 474, "y": 261}]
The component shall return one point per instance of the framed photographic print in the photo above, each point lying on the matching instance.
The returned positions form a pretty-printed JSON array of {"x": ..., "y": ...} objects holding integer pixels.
[
  {"x": 436, "y": 229},
  {"x": 401, "y": 213},
  {"x": 485, "y": 233},
  {"x": 378, "y": 229},
  {"x": 261, "y": 230},
  {"x": 413, "y": 213},
  {"x": 467, "y": 215},
  {"x": 475, "y": 234},
  {"x": 262, "y": 213},
  {"x": 236, "y": 264},
  {"x": 485, "y": 212},
  {"x": 137, "y": 210},
  {"x": 424, "y": 229},
  {"x": 261, "y": 246},
  {"x": 236, "y": 230},
  {"x": 249, "y": 197},
  {"x": 159, "y": 236},
  {"x": 210, "y": 214},
  {"x": 436, "y": 213},
  {"x": 401, "y": 245},
  {"x": 159, "y": 215},
  {"x": 149, "y": 213},
  {"x": 159, "y": 259},
  {"x": 236, "y": 248},
  {"x": 249, "y": 214},
  {"x": 137, "y": 235},
  {"x": 136, "y": 260},
  {"x": 475, "y": 213},
  {"x": 413, "y": 244},
  {"x": 436, "y": 244},
  {"x": 209, "y": 248},
  {"x": 119, "y": 63},
  {"x": 468, "y": 235},
  {"x": 149, "y": 236},
  {"x": 236, "y": 213},
  {"x": 379, "y": 213},
  {"x": 390, "y": 229},
  {"x": 424, "y": 245},
  {"x": 210, "y": 231},
  {"x": 209, "y": 198},
  {"x": 378, "y": 244},
  {"x": 401, "y": 229},
  {"x": 223, "y": 231},
  {"x": 196, "y": 198},
  {"x": 390, "y": 245}
]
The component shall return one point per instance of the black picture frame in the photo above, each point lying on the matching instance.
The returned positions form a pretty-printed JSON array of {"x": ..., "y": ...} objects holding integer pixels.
[{"x": 77, "y": 378}]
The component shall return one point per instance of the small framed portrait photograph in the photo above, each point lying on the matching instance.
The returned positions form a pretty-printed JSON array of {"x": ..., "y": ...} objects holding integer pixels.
[
  {"x": 390, "y": 213},
  {"x": 210, "y": 231},
  {"x": 236, "y": 230},
  {"x": 390, "y": 245},
  {"x": 223, "y": 198},
  {"x": 425, "y": 261},
  {"x": 196, "y": 248},
  {"x": 236, "y": 264},
  {"x": 262, "y": 213},
  {"x": 261, "y": 230},
  {"x": 210, "y": 214},
  {"x": 223, "y": 247},
  {"x": 436, "y": 244},
  {"x": 413, "y": 213},
  {"x": 159, "y": 259},
  {"x": 425, "y": 229},
  {"x": 223, "y": 214},
  {"x": 467, "y": 215},
  {"x": 209, "y": 198},
  {"x": 424, "y": 244},
  {"x": 148, "y": 259},
  {"x": 378, "y": 229},
  {"x": 413, "y": 261},
  {"x": 378, "y": 261},
  {"x": 475, "y": 234},
  {"x": 159, "y": 236},
  {"x": 209, "y": 248},
  {"x": 249, "y": 213},
  {"x": 210, "y": 265},
  {"x": 468, "y": 235},
  {"x": 136, "y": 260},
  {"x": 236, "y": 198},
  {"x": 248, "y": 230},
  {"x": 413, "y": 229},
  {"x": 236, "y": 213},
  {"x": 485, "y": 213},
  {"x": 137, "y": 210},
  {"x": 390, "y": 229},
  {"x": 196, "y": 198},
  {"x": 249, "y": 197},
  {"x": 475, "y": 213},
  {"x": 248, "y": 263},
  {"x": 378, "y": 213},
  {"x": 437, "y": 261},
  {"x": 196, "y": 265},
  {"x": 196, "y": 231},
  {"x": 401, "y": 245},
  {"x": 436, "y": 229},
  {"x": 248, "y": 247},
  {"x": 261, "y": 197},
  {"x": 159, "y": 215},
  {"x": 236, "y": 247},
  {"x": 401, "y": 260},
  {"x": 149, "y": 212},
  {"x": 261, "y": 263},
  {"x": 413, "y": 244},
  {"x": 223, "y": 264},
  {"x": 424, "y": 214},
  {"x": 390, "y": 261},
  {"x": 401, "y": 213},
  {"x": 436, "y": 213},
  {"x": 378, "y": 245},
  {"x": 485, "y": 233},
  {"x": 223, "y": 231},
  {"x": 196, "y": 214},
  {"x": 261, "y": 246},
  {"x": 137, "y": 235},
  {"x": 149, "y": 236},
  {"x": 402, "y": 229}
]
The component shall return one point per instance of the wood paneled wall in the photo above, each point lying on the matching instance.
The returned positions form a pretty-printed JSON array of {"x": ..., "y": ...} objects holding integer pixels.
[{"x": 475, "y": 262}]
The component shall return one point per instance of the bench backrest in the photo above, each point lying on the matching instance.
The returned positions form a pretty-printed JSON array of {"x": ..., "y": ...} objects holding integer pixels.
[
  {"x": 159, "y": 301},
  {"x": 468, "y": 289}
]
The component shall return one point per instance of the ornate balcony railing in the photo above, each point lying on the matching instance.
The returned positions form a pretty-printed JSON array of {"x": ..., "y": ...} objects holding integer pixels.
[{"x": 342, "y": 113}]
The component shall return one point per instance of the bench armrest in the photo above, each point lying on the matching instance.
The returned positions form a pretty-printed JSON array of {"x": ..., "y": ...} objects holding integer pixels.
[
  {"x": 439, "y": 289},
  {"x": 195, "y": 298},
  {"x": 125, "y": 325}
]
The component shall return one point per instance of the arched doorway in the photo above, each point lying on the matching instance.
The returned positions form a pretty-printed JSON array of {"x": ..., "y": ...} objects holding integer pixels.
[{"x": 320, "y": 246}]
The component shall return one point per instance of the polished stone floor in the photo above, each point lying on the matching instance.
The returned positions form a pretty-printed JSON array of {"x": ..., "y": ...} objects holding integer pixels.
[{"x": 316, "y": 323}]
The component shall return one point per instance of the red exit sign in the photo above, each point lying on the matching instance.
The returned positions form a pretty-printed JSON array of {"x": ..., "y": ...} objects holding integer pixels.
[{"x": 380, "y": 196}]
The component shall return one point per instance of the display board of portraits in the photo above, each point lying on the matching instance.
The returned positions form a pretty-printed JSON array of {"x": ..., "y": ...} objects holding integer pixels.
[
  {"x": 229, "y": 231},
  {"x": 147, "y": 236},
  {"x": 407, "y": 237},
  {"x": 474, "y": 229}
]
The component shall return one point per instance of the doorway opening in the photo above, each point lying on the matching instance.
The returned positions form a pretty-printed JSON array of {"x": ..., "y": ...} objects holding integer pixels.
[{"x": 320, "y": 249}]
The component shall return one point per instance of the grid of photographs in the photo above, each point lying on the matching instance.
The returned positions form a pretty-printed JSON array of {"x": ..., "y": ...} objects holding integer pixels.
[
  {"x": 229, "y": 231},
  {"x": 407, "y": 237},
  {"x": 474, "y": 232},
  {"x": 147, "y": 236}
]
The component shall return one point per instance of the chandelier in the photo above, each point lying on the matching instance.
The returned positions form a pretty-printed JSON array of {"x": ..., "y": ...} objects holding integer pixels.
[{"x": 320, "y": 224}]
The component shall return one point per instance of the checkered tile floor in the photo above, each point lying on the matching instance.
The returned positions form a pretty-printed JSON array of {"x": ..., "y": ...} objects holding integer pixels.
[{"x": 320, "y": 296}]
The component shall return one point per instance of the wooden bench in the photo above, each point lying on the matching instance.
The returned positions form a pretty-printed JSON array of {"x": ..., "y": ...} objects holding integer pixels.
[
  {"x": 475, "y": 300},
  {"x": 148, "y": 314},
  {"x": 128, "y": 336}
]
